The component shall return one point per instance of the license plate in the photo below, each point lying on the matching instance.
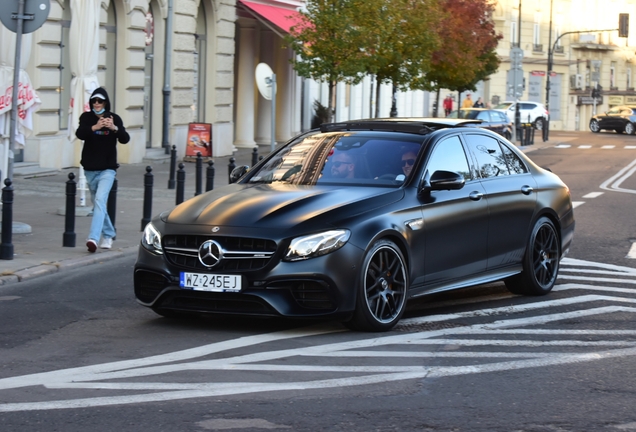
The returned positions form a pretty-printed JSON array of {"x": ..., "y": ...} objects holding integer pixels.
[{"x": 210, "y": 282}]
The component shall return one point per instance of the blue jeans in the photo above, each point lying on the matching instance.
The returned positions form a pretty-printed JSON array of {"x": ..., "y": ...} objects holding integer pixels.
[{"x": 99, "y": 184}]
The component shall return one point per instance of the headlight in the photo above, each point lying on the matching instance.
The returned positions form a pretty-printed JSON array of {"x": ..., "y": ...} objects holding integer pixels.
[
  {"x": 314, "y": 245},
  {"x": 151, "y": 239}
]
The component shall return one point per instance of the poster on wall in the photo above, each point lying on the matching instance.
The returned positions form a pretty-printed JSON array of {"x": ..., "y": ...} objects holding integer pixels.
[{"x": 199, "y": 140}]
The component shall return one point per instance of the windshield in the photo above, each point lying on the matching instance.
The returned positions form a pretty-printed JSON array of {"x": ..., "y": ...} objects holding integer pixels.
[
  {"x": 503, "y": 106},
  {"x": 351, "y": 158}
]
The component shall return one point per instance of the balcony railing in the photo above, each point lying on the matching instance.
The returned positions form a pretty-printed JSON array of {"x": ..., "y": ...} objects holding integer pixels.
[
  {"x": 558, "y": 49},
  {"x": 537, "y": 48}
]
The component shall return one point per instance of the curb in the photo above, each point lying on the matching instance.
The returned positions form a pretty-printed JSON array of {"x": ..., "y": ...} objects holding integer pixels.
[{"x": 59, "y": 266}]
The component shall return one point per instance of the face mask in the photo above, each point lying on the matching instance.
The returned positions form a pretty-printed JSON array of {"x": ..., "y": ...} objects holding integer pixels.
[{"x": 100, "y": 111}]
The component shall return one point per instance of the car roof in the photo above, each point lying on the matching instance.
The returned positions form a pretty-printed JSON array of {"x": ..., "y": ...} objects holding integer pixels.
[{"x": 420, "y": 125}]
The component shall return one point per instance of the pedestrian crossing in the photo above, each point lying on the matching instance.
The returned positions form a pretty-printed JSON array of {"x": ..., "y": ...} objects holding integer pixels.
[
  {"x": 485, "y": 337},
  {"x": 602, "y": 147}
]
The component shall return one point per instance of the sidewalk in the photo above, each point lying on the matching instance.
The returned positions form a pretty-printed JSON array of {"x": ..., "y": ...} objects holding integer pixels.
[{"x": 39, "y": 198}]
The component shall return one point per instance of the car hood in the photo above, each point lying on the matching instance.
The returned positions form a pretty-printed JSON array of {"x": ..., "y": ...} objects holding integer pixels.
[{"x": 279, "y": 206}]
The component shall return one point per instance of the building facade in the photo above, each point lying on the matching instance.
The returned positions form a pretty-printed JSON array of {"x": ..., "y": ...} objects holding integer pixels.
[{"x": 203, "y": 71}]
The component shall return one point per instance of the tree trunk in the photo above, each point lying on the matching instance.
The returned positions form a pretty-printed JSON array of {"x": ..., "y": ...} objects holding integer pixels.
[
  {"x": 332, "y": 101},
  {"x": 436, "y": 113},
  {"x": 377, "y": 98}
]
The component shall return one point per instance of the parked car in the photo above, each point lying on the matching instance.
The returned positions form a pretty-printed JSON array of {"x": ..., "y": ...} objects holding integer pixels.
[
  {"x": 352, "y": 220},
  {"x": 532, "y": 112},
  {"x": 620, "y": 119},
  {"x": 493, "y": 120}
]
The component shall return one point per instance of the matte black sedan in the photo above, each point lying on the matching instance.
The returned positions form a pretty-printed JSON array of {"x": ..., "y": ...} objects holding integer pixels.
[
  {"x": 493, "y": 120},
  {"x": 619, "y": 119},
  {"x": 352, "y": 220}
]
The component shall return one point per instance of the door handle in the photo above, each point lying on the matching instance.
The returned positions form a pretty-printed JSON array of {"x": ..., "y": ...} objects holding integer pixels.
[
  {"x": 526, "y": 190},
  {"x": 475, "y": 195}
]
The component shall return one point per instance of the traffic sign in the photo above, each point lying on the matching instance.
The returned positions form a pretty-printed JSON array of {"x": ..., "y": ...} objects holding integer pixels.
[{"x": 35, "y": 14}]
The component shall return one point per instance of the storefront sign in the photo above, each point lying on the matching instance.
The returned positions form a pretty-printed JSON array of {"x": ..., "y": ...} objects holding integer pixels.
[
  {"x": 199, "y": 140},
  {"x": 615, "y": 100},
  {"x": 630, "y": 100},
  {"x": 589, "y": 100}
]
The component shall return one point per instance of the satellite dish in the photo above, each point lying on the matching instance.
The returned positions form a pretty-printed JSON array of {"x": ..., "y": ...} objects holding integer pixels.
[{"x": 264, "y": 76}]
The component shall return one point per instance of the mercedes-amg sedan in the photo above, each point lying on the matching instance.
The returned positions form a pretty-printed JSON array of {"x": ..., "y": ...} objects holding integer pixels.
[{"x": 352, "y": 220}]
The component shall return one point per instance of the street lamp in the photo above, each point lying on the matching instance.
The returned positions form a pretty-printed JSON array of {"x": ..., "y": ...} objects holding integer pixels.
[{"x": 551, "y": 58}]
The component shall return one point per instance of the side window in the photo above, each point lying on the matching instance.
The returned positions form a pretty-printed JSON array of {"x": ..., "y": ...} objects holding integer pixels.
[
  {"x": 515, "y": 163},
  {"x": 503, "y": 117},
  {"x": 449, "y": 155},
  {"x": 483, "y": 115},
  {"x": 490, "y": 158}
]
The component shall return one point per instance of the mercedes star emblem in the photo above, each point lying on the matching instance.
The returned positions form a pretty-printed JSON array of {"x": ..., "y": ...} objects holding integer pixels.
[{"x": 210, "y": 253}]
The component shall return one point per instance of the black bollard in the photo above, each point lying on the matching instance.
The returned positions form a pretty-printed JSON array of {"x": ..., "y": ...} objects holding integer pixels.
[
  {"x": 173, "y": 166},
  {"x": 230, "y": 167},
  {"x": 69, "y": 217},
  {"x": 148, "y": 181},
  {"x": 209, "y": 177},
  {"x": 198, "y": 174},
  {"x": 255, "y": 156},
  {"x": 180, "y": 183},
  {"x": 546, "y": 130},
  {"x": 111, "y": 205},
  {"x": 6, "y": 247}
]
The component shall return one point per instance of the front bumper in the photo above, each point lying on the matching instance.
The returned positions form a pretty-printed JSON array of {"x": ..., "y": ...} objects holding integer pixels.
[{"x": 318, "y": 287}]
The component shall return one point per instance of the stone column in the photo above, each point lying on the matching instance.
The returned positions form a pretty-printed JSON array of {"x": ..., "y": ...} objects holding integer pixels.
[
  {"x": 245, "y": 86},
  {"x": 264, "y": 111},
  {"x": 284, "y": 92}
]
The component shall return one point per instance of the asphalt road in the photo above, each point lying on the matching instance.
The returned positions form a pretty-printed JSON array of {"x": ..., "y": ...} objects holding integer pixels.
[{"x": 78, "y": 353}]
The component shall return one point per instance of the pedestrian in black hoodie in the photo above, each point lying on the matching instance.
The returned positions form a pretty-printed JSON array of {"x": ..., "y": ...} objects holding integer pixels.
[{"x": 100, "y": 129}]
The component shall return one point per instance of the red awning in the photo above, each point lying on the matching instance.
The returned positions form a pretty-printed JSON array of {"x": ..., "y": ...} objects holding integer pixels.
[{"x": 282, "y": 18}]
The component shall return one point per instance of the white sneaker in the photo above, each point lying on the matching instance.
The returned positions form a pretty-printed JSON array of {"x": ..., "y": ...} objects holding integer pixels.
[{"x": 106, "y": 243}]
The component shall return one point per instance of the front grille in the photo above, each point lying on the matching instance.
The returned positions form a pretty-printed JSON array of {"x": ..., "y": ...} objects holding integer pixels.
[
  {"x": 239, "y": 253},
  {"x": 216, "y": 303},
  {"x": 148, "y": 285}
]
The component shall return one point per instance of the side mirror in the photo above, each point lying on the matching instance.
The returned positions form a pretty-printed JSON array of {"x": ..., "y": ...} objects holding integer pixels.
[
  {"x": 446, "y": 180},
  {"x": 238, "y": 172}
]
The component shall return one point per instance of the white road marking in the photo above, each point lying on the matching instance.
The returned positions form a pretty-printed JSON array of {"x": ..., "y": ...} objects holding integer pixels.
[
  {"x": 632, "y": 252},
  {"x": 630, "y": 147},
  {"x": 514, "y": 354},
  {"x": 585, "y": 146},
  {"x": 613, "y": 183},
  {"x": 575, "y": 204},
  {"x": 593, "y": 195},
  {"x": 562, "y": 146},
  {"x": 608, "y": 147}
]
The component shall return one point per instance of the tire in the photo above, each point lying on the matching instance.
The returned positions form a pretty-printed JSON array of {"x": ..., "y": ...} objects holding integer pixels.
[
  {"x": 594, "y": 126},
  {"x": 540, "y": 261},
  {"x": 382, "y": 290},
  {"x": 629, "y": 128},
  {"x": 539, "y": 123}
]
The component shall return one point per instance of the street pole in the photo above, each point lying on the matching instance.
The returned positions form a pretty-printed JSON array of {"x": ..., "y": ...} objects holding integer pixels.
[
  {"x": 546, "y": 125},
  {"x": 166, "y": 81},
  {"x": 16, "y": 83}
]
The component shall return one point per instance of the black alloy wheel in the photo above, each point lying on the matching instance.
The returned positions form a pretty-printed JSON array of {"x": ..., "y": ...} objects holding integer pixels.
[
  {"x": 381, "y": 295},
  {"x": 594, "y": 126},
  {"x": 629, "y": 128},
  {"x": 540, "y": 262}
]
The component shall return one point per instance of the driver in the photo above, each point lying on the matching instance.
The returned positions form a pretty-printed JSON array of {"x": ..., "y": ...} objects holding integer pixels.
[{"x": 343, "y": 165}]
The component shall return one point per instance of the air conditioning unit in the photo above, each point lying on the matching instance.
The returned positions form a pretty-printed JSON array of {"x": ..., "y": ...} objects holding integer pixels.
[{"x": 578, "y": 81}]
